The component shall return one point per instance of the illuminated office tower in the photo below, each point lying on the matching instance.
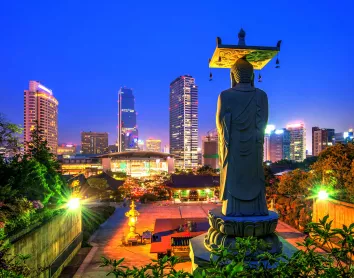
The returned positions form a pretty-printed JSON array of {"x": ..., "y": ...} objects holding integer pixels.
[
  {"x": 94, "y": 142},
  {"x": 321, "y": 139},
  {"x": 279, "y": 145},
  {"x": 297, "y": 141},
  {"x": 153, "y": 145},
  {"x": 266, "y": 145},
  {"x": 127, "y": 127},
  {"x": 42, "y": 107},
  {"x": 210, "y": 152},
  {"x": 184, "y": 122}
]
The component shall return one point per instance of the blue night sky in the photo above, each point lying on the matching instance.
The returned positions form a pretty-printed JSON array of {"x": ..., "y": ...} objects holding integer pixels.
[{"x": 86, "y": 50}]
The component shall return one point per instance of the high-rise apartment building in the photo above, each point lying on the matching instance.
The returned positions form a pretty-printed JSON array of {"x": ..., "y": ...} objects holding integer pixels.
[
  {"x": 321, "y": 139},
  {"x": 184, "y": 122},
  {"x": 127, "y": 127},
  {"x": 210, "y": 151},
  {"x": 153, "y": 145},
  {"x": 42, "y": 107},
  {"x": 94, "y": 142},
  {"x": 279, "y": 145},
  {"x": 297, "y": 141}
]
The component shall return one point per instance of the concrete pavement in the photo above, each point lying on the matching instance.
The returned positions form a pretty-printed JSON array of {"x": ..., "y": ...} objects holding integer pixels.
[{"x": 107, "y": 241}]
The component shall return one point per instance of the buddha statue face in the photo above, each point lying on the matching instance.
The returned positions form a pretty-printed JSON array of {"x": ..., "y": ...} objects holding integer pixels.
[{"x": 241, "y": 72}]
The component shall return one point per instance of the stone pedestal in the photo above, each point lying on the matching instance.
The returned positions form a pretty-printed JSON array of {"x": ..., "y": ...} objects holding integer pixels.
[{"x": 224, "y": 230}]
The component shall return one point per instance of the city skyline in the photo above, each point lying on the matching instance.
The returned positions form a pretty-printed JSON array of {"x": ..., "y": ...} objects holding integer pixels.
[{"x": 93, "y": 73}]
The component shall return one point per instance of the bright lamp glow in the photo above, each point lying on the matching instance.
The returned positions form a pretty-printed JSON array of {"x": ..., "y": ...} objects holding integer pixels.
[
  {"x": 73, "y": 203},
  {"x": 322, "y": 195}
]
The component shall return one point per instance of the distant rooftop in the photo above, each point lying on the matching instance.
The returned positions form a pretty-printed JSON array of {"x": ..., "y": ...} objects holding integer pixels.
[{"x": 192, "y": 181}]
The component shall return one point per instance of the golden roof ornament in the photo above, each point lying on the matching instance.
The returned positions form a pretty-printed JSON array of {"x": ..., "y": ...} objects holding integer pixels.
[{"x": 226, "y": 55}]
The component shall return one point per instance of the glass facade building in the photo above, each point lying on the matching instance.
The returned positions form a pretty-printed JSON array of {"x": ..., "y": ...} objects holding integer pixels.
[
  {"x": 127, "y": 126},
  {"x": 343, "y": 137},
  {"x": 184, "y": 122},
  {"x": 279, "y": 145}
]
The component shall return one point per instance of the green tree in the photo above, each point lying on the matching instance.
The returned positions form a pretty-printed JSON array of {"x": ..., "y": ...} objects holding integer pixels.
[
  {"x": 294, "y": 183},
  {"x": 334, "y": 169},
  {"x": 28, "y": 178},
  {"x": 98, "y": 187},
  {"x": 206, "y": 170},
  {"x": 9, "y": 136},
  {"x": 38, "y": 150},
  {"x": 270, "y": 180}
]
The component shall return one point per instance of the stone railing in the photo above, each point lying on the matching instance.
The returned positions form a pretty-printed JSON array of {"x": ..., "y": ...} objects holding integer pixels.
[
  {"x": 338, "y": 211},
  {"x": 51, "y": 245}
]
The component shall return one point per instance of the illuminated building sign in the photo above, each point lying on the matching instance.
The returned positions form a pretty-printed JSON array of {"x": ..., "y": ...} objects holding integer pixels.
[
  {"x": 45, "y": 89},
  {"x": 297, "y": 125}
]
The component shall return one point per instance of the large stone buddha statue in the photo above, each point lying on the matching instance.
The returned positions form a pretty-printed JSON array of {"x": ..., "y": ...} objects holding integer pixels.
[{"x": 241, "y": 119}]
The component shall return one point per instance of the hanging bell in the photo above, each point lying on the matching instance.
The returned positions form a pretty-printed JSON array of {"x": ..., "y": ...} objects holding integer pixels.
[
  {"x": 219, "y": 59},
  {"x": 259, "y": 78},
  {"x": 210, "y": 75},
  {"x": 277, "y": 64}
]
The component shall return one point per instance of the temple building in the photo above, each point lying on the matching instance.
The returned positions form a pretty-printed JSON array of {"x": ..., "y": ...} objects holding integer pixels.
[
  {"x": 171, "y": 236},
  {"x": 193, "y": 187}
]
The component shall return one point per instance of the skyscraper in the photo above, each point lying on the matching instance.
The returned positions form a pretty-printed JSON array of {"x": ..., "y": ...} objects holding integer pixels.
[
  {"x": 184, "y": 122},
  {"x": 321, "y": 139},
  {"x": 210, "y": 152},
  {"x": 127, "y": 127},
  {"x": 297, "y": 141},
  {"x": 153, "y": 145},
  {"x": 279, "y": 145},
  {"x": 266, "y": 145},
  {"x": 42, "y": 107},
  {"x": 94, "y": 142}
]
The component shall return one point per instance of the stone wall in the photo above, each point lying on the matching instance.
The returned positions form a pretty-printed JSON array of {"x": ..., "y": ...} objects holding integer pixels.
[
  {"x": 53, "y": 244},
  {"x": 340, "y": 212}
]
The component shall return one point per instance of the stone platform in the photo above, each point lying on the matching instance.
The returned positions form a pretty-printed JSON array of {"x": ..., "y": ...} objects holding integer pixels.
[
  {"x": 224, "y": 230},
  {"x": 200, "y": 255}
]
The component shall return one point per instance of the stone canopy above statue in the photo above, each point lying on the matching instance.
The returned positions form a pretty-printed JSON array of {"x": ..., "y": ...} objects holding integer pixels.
[{"x": 225, "y": 56}]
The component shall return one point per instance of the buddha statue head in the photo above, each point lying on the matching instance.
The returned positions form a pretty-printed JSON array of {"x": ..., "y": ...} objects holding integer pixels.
[{"x": 241, "y": 72}]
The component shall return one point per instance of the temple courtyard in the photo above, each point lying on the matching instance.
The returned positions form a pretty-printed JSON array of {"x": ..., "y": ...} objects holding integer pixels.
[{"x": 107, "y": 240}]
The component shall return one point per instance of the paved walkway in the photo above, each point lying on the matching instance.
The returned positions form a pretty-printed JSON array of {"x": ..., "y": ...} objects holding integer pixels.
[{"x": 108, "y": 238}]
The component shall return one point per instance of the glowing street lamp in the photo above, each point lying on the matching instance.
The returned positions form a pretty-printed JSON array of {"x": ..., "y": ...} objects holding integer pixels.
[
  {"x": 73, "y": 203},
  {"x": 322, "y": 195}
]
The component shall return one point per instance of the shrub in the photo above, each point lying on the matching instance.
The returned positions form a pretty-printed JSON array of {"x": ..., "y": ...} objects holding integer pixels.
[{"x": 148, "y": 197}]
